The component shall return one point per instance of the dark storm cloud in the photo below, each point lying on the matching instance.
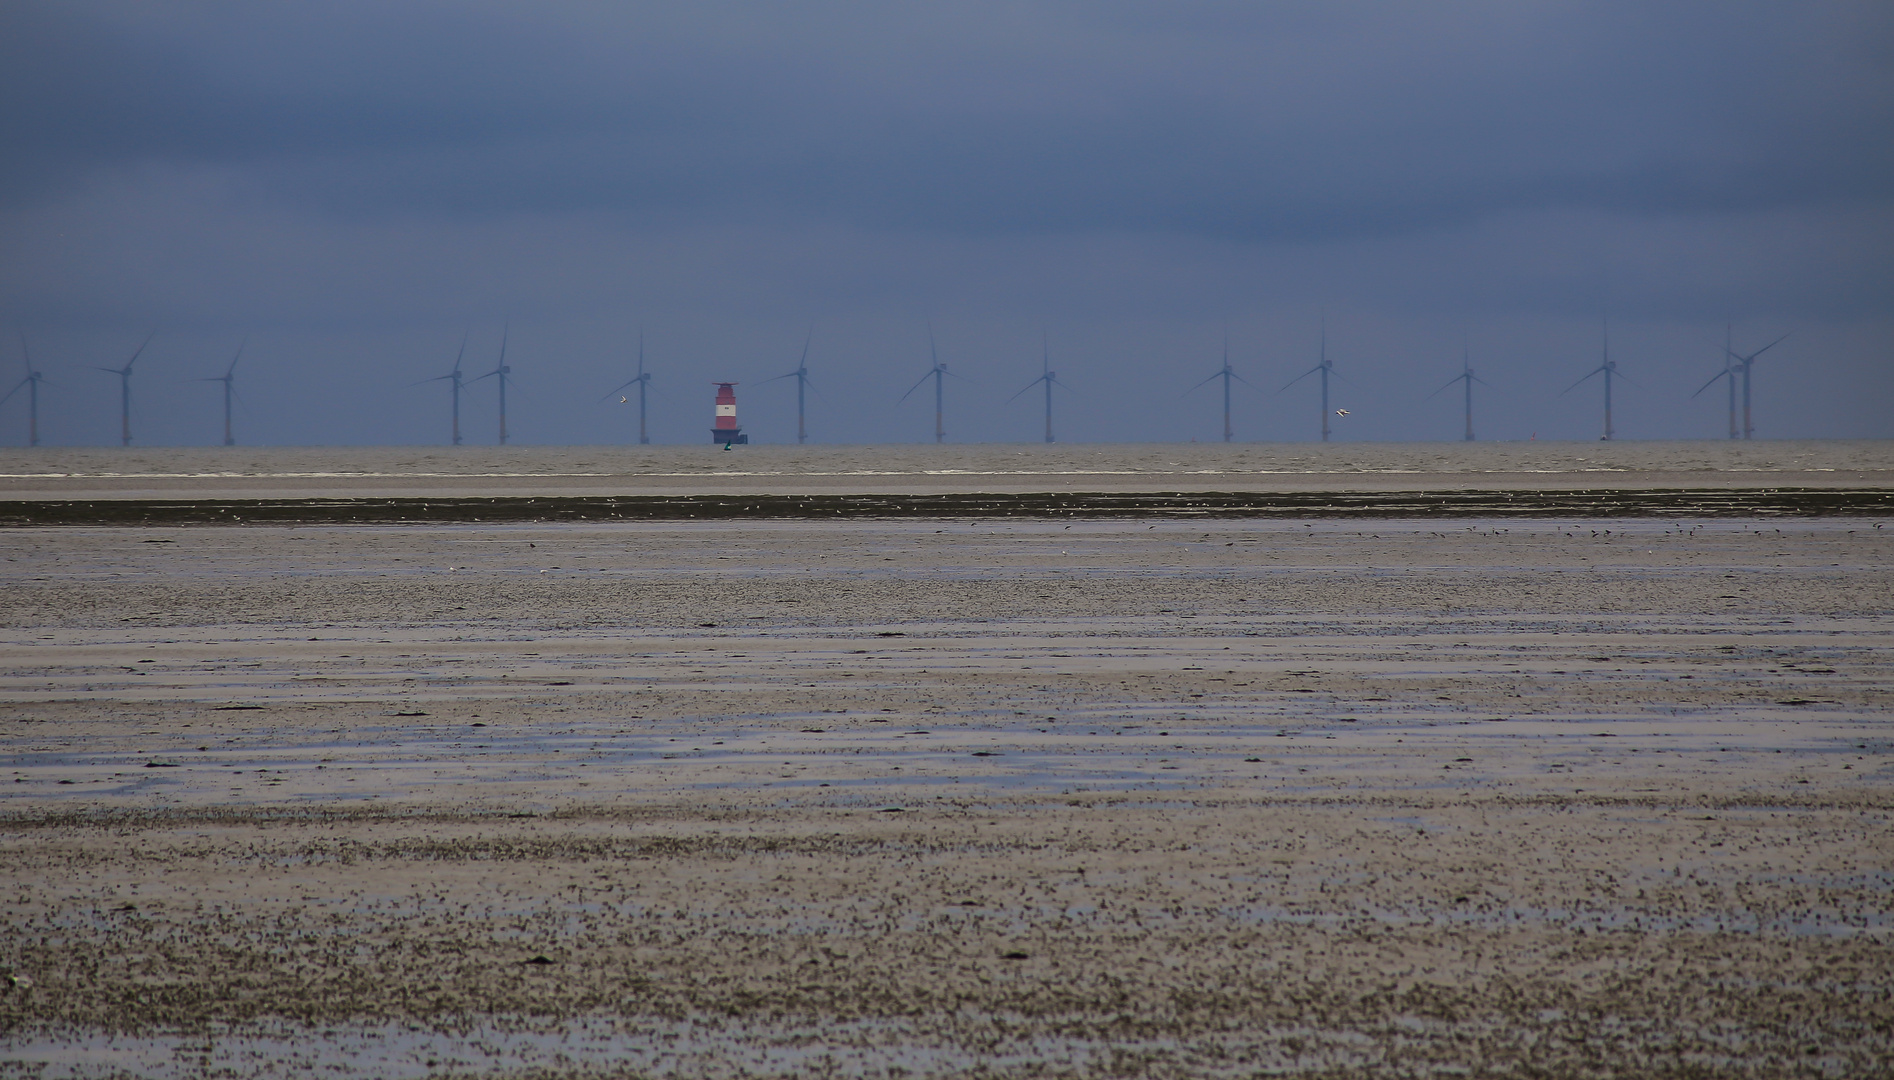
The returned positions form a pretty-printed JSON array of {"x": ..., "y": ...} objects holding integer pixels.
[
  {"x": 351, "y": 186},
  {"x": 1240, "y": 121}
]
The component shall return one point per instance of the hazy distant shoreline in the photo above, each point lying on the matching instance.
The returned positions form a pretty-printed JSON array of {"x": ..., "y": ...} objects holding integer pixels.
[{"x": 597, "y": 481}]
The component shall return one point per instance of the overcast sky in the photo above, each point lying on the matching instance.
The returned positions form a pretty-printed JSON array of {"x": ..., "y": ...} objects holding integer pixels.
[{"x": 352, "y": 188}]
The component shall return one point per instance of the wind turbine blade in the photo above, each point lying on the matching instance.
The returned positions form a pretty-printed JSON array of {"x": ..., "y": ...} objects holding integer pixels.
[
  {"x": 16, "y": 389},
  {"x": 1724, "y": 374},
  {"x": 915, "y": 387},
  {"x": 141, "y": 349},
  {"x": 620, "y": 388},
  {"x": 418, "y": 382},
  {"x": 463, "y": 348},
  {"x": 1247, "y": 383},
  {"x": 775, "y": 378},
  {"x": 1588, "y": 375},
  {"x": 1213, "y": 375},
  {"x": 1029, "y": 386},
  {"x": 233, "y": 360},
  {"x": 1767, "y": 347},
  {"x": 804, "y": 362},
  {"x": 1300, "y": 377},
  {"x": 1449, "y": 385}
]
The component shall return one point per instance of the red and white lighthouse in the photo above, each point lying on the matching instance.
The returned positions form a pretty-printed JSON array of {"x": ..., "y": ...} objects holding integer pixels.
[{"x": 725, "y": 429}]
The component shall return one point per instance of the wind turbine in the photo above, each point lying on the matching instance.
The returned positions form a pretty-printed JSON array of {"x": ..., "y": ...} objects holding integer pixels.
[
  {"x": 502, "y": 371},
  {"x": 1608, "y": 368},
  {"x": 228, "y": 378},
  {"x": 938, "y": 373},
  {"x": 1746, "y": 363},
  {"x": 125, "y": 391},
  {"x": 31, "y": 382},
  {"x": 1047, "y": 376},
  {"x": 801, "y": 375},
  {"x": 642, "y": 382},
  {"x": 455, "y": 379},
  {"x": 1730, "y": 371},
  {"x": 1226, "y": 374},
  {"x": 1326, "y": 367},
  {"x": 1466, "y": 375}
]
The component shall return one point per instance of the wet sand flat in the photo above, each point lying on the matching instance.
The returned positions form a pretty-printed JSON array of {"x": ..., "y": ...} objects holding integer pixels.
[{"x": 949, "y": 797}]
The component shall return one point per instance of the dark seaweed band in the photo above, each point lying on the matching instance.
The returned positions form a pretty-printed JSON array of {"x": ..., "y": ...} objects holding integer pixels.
[{"x": 1675, "y": 502}]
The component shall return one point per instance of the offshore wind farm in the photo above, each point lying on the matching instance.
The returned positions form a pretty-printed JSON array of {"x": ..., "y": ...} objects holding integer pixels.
[{"x": 1138, "y": 398}]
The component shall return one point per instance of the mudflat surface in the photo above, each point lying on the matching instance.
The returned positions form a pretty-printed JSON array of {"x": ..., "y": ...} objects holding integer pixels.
[{"x": 949, "y": 797}]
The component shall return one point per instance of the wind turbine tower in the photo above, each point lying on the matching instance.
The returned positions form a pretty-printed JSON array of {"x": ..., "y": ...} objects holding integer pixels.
[
  {"x": 1746, "y": 363},
  {"x": 1466, "y": 376},
  {"x": 1324, "y": 367},
  {"x": 1047, "y": 376},
  {"x": 455, "y": 380},
  {"x": 31, "y": 382},
  {"x": 1729, "y": 371},
  {"x": 228, "y": 378},
  {"x": 501, "y": 371},
  {"x": 938, "y": 373},
  {"x": 1226, "y": 374},
  {"x": 801, "y": 375},
  {"x": 125, "y": 392},
  {"x": 641, "y": 382},
  {"x": 1608, "y": 369}
]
